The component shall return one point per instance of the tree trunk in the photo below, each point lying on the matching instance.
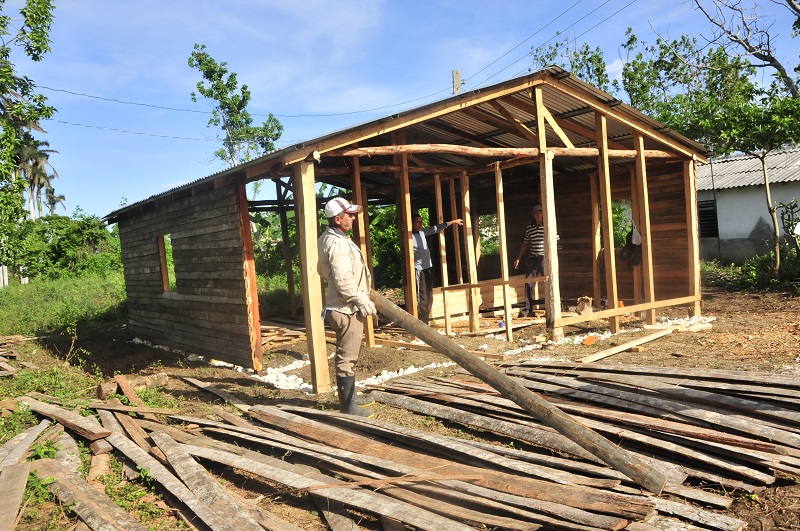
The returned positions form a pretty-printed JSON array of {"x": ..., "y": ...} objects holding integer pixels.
[{"x": 776, "y": 242}]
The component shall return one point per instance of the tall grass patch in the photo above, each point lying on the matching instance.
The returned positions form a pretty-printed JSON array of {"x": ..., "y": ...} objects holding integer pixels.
[{"x": 54, "y": 305}]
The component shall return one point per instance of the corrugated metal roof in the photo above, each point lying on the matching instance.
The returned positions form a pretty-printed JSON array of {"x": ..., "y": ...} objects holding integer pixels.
[
  {"x": 735, "y": 171},
  {"x": 471, "y": 119}
]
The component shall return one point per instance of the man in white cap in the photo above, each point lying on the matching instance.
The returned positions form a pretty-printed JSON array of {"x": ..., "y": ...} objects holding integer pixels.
[{"x": 347, "y": 302}]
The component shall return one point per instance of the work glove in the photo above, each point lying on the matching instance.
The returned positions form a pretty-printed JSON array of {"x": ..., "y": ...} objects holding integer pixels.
[{"x": 364, "y": 305}]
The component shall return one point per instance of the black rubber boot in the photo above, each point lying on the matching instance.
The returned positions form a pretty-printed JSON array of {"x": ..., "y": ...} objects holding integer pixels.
[{"x": 346, "y": 387}]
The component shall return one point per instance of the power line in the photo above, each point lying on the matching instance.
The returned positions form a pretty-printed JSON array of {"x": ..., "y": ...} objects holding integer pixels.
[
  {"x": 346, "y": 113},
  {"x": 323, "y": 115},
  {"x": 615, "y": 13},
  {"x": 527, "y": 54},
  {"x": 156, "y": 135},
  {"x": 318, "y": 115},
  {"x": 527, "y": 39}
]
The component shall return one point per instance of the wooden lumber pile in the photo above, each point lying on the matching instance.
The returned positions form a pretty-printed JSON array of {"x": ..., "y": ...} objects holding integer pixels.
[
  {"x": 731, "y": 429},
  {"x": 351, "y": 467},
  {"x": 8, "y": 352}
]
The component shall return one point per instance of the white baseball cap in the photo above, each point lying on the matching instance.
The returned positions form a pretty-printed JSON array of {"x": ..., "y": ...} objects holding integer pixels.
[{"x": 337, "y": 205}]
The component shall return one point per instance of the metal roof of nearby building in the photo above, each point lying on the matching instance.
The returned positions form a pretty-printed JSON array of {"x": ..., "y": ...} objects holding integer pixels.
[{"x": 736, "y": 171}]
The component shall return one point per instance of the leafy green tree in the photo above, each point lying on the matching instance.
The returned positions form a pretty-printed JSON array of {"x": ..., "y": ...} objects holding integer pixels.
[
  {"x": 57, "y": 246},
  {"x": 705, "y": 94},
  {"x": 242, "y": 140},
  {"x": 12, "y": 213},
  {"x": 20, "y": 106}
]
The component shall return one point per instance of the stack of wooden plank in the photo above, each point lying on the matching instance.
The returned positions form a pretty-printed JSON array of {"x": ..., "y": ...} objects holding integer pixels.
[
  {"x": 7, "y": 350},
  {"x": 730, "y": 429},
  {"x": 351, "y": 467}
]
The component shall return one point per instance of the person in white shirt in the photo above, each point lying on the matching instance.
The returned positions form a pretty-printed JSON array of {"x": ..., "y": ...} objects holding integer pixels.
[
  {"x": 423, "y": 263},
  {"x": 347, "y": 302}
]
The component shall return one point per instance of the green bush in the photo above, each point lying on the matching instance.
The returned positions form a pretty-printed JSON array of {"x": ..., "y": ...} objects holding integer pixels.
[
  {"x": 755, "y": 273},
  {"x": 54, "y": 305}
]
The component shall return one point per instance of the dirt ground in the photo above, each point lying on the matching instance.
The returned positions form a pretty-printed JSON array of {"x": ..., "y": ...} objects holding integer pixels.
[{"x": 751, "y": 332}]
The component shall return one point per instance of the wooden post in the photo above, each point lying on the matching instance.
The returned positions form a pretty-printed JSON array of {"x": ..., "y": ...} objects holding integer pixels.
[
  {"x": 636, "y": 271},
  {"x": 250, "y": 282},
  {"x": 552, "y": 299},
  {"x": 280, "y": 192},
  {"x": 690, "y": 185},
  {"x": 597, "y": 290},
  {"x": 474, "y": 291},
  {"x": 437, "y": 188},
  {"x": 644, "y": 226},
  {"x": 361, "y": 229},
  {"x": 456, "y": 233},
  {"x": 607, "y": 220},
  {"x": 406, "y": 237},
  {"x": 630, "y": 464},
  {"x": 501, "y": 225},
  {"x": 306, "y": 204}
]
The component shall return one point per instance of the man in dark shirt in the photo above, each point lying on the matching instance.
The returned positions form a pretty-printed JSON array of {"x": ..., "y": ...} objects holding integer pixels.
[{"x": 533, "y": 242}]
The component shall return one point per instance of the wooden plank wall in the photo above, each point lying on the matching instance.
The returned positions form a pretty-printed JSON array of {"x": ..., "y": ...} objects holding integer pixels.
[
  {"x": 207, "y": 312},
  {"x": 574, "y": 218}
]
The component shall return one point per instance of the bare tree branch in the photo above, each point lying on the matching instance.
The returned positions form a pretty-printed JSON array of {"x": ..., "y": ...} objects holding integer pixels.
[{"x": 744, "y": 28}]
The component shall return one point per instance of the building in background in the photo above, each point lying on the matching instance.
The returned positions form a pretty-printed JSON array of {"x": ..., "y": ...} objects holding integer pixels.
[{"x": 734, "y": 221}]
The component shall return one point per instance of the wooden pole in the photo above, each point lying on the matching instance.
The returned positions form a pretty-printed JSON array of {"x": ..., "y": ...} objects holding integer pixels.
[
  {"x": 644, "y": 226},
  {"x": 437, "y": 188},
  {"x": 631, "y": 465},
  {"x": 361, "y": 229},
  {"x": 280, "y": 191},
  {"x": 607, "y": 221},
  {"x": 472, "y": 260},
  {"x": 306, "y": 204},
  {"x": 501, "y": 226}
]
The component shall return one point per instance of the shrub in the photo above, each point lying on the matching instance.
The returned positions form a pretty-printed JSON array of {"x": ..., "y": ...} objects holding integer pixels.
[{"x": 53, "y": 305}]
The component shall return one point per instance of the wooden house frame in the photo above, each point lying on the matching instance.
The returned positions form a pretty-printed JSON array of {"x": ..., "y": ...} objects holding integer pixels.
[{"x": 545, "y": 138}]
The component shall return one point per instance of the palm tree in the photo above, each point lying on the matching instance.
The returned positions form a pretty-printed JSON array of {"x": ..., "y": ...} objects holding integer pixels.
[{"x": 33, "y": 167}]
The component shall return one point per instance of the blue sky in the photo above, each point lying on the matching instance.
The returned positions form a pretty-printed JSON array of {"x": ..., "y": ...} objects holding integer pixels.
[{"x": 317, "y": 65}]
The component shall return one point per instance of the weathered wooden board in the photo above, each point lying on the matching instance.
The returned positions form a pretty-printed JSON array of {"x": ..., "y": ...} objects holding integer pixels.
[
  {"x": 93, "y": 507},
  {"x": 203, "y": 484},
  {"x": 163, "y": 476},
  {"x": 86, "y": 427},
  {"x": 13, "y": 480}
]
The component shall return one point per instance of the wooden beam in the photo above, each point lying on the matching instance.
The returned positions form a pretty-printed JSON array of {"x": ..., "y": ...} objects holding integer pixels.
[
  {"x": 305, "y": 201},
  {"x": 643, "y": 224},
  {"x": 472, "y": 263},
  {"x": 597, "y": 290},
  {"x": 609, "y": 112},
  {"x": 693, "y": 266},
  {"x": 405, "y": 226},
  {"x": 625, "y": 346},
  {"x": 496, "y": 152},
  {"x": 632, "y": 465},
  {"x": 607, "y": 221},
  {"x": 556, "y": 128},
  {"x": 636, "y": 270},
  {"x": 281, "y": 193},
  {"x": 520, "y": 127},
  {"x": 250, "y": 281},
  {"x": 456, "y": 233},
  {"x": 361, "y": 230},
  {"x": 437, "y": 188},
  {"x": 502, "y": 237},
  {"x": 612, "y": 312},
  {"x": 552, "y": 299},
  {"x": 427, "y": 112}
]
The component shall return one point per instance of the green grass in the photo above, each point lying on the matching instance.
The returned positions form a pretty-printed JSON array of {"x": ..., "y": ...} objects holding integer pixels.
[{"x": 45, "y": 306}]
